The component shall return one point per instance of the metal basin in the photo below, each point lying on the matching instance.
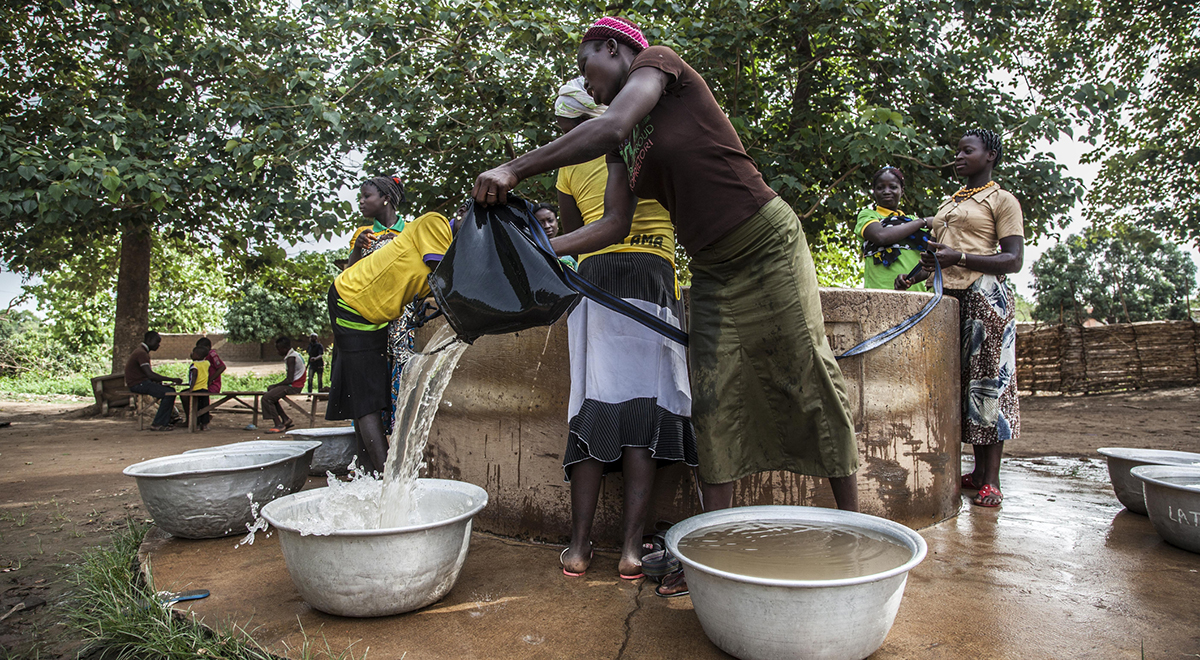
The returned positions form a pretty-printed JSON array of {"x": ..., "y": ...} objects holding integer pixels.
[
  {"x": 339, "y": 447},
  {"x": 379, "y": 572},
  {"x": 1173, "y": 502},
  {"x": 302, "y": 467},
  {"x": 209, "y": 494},
  {"x": 1121, "y": 460},
  {"x": 766, "y": 619}
]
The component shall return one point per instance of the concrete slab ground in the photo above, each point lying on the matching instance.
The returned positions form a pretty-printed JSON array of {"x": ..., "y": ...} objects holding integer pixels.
[{"x": 1061, "y": 571}]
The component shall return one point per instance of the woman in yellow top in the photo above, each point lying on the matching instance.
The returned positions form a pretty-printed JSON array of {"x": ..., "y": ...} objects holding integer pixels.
[
  {"x": 369, "y": 294},
  {"x": 981, "y": 240},
  {"x": 631, "y": 404}
]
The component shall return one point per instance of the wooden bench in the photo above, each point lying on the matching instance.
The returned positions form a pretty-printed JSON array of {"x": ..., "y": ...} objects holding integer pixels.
[
  {"x": 219, "y": 399},
  {"x": 111, "y": 392}
]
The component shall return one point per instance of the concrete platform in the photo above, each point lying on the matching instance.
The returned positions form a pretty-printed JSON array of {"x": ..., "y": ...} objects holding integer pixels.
[{"x": 1061, "y": 571}]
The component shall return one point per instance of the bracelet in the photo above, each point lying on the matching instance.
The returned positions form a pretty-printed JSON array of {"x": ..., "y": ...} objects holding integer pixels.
[{"x": 962, "y": 259}]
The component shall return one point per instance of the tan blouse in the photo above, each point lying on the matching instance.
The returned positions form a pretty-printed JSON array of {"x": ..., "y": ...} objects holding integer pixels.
[{"x": 975, "y": 226}]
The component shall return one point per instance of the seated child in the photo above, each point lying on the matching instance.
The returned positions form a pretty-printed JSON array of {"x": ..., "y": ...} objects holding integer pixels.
[
  {"x": 198, "y": 379},
  {"x": 892, "y": 242},
  {"x": 293, "y": 379}
]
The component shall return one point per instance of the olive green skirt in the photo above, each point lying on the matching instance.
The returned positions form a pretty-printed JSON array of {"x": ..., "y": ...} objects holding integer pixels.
[{"x": 767, "y": 391}]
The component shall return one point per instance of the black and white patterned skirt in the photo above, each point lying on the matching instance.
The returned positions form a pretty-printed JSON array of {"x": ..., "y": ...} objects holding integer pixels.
[{"x": 629, "y": 385}]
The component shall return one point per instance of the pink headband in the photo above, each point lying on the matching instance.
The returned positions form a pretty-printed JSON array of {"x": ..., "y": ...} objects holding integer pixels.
[{"x": 611, "y": 27}]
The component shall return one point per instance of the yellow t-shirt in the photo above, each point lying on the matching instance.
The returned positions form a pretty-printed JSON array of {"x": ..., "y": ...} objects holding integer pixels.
[
  {"x": 379, "y": 285},
  {"x": 198, "y": 376},
  {"x": 651, "y": 230},
  {"x": 975, "y": 226}
]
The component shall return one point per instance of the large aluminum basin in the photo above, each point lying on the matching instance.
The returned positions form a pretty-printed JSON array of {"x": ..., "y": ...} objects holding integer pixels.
[
  {"x": 209, "y": 494},
  {"x": 1173, "y": 502},
  {"x": 765, "y": 619},
  {"x": 339, "y": 448},
  {"x": 379, "y": 572},
  {"x": 1123, "y": 459},
  {"x": 299, "y": 478}
]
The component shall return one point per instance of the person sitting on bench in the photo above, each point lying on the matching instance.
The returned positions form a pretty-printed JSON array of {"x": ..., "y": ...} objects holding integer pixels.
[
  {"x": 141, "y": 379},
  {"x": 293, "y": 379}
]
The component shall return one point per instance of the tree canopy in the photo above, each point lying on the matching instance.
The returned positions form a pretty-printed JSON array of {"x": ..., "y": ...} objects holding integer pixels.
[
  {"x": 285, "y": 300},
  {"x": 1128, "y": 71},
  {"x": 1118, "y": 274}
]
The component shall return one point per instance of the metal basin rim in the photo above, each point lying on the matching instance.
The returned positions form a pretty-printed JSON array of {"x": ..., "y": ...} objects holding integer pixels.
[
  {"x": 283, "y": 453},
  {"x": 1152, "y": 456},
  {"x": 303, "y": 496},
  {"x": 1154, "y": 473}
]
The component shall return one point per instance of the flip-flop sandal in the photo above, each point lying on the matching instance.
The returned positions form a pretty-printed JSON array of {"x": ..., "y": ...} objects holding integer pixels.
[
  {"x": 660, "y": 564},
  {"x": 631, "y": 577},
  {"x": 561, "y": 562},
  {"x": 671, "y": 580},
  {"x": 968, "y": 482},
  {"x": 276, "y": 431},
  {"x": 985, "y": 491}
]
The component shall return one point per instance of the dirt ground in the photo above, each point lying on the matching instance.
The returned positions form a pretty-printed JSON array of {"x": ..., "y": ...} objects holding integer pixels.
[{"x": 63, "y": 491}]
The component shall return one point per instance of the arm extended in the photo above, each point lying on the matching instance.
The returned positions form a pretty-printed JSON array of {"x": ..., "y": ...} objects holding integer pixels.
[{"x": 590, "y": 139}]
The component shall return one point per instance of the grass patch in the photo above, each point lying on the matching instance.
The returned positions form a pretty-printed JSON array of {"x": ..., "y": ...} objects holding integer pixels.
[
  {"x": 80, "y": 384},
  {"x": 120, "y": 618}
]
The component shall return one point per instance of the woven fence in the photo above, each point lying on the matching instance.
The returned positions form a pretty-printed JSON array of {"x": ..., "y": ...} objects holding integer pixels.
[{"x": 1067, "y": 358}]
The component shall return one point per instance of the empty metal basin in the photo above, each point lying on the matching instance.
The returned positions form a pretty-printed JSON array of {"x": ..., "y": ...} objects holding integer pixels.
[
  {"x": 379, "y": 572},
  {"x": 1173, "y": 502},
  {"x": 1123, "y": 459},
  {"x": 302, "y": 467},
  {"x": 339, "y": 448},
  {"x": 209, "y": 494},
  {"x": 756, "y": 618}
]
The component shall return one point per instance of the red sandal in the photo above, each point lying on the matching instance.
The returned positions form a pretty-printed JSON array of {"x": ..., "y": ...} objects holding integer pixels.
[
  {"x": 968, "y": 482},
  {"x": 986, "y": 491}
]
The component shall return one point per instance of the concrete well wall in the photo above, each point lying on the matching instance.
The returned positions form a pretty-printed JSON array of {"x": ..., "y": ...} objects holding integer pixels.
[{"x": 503, "y": 423}]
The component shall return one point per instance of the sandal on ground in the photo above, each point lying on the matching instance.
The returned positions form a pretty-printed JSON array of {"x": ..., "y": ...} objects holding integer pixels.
[
  {"x": 168, "y": 427},
  {"x": 986, "y": 491},
  {"x": 631, "y": 577},
  {"x": 289, "y": 425},
  {"x": 968, "y": 481},
  {"x": 670, "y": 582},
  {"x": 277, "y": 430},
  {"x": 562, "y": 562},
  {"x": 659, "y": 564}
]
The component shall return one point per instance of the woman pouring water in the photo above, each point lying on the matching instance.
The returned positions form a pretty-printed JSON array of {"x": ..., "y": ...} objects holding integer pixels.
[
  {"x": 767, "y": 392},
  {"x": 372, "y": 292}
]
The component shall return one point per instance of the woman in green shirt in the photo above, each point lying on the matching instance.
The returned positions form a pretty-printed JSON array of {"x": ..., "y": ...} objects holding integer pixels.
[{"x": 892, "y": 242}]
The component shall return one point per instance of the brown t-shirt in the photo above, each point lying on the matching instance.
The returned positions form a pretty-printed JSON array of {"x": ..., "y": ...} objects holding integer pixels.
[
  {"x": 133, "y": 366},
  {"x": 975, "y": 226},
  {"x": 686, "y": 155}
]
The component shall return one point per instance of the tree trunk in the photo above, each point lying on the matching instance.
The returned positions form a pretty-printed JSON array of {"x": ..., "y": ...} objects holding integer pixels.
[{"x": 133, "y": 291}]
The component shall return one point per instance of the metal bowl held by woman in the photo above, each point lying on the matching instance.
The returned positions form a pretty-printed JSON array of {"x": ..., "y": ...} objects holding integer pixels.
[
  {"x": 1173, "y": 502},
  {"x": 309, "y": 447},
  {"x": 209, "y": 494},
  {"x": 339, "y": 448},
  {"x": 778, "y": 618},
  {"x": 376, "y": 572},
  {"x": 1123, "y": 459}
]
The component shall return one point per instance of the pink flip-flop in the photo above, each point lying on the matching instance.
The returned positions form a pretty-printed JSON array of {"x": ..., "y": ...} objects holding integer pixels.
[{"x": 567, "y": 573}]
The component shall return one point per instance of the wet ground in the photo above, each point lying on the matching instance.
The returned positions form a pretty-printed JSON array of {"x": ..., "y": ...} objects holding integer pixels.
[{"x": 1060, "y": 571}]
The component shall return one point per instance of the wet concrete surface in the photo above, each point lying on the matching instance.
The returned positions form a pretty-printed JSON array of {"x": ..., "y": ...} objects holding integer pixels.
[{"x": 1060, "y": 571}]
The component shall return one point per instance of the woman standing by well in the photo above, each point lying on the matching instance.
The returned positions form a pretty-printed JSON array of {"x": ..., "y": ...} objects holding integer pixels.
[
  {"x": 980, "y": 240},
  {"x": 767, "y": 392}
]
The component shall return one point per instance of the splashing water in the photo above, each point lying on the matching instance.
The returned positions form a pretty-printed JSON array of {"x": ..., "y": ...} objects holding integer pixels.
[{"x": 422, "y": 384}]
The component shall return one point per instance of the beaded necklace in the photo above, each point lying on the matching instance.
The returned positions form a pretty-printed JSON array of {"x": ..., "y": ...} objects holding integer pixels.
[{"x": 966, "y": 192}]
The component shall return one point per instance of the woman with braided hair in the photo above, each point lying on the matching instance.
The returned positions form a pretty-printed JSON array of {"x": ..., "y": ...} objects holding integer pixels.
[
  {"x": 766, "y": 390},
  {"x": 387, "y": 269},
  {"x": 980, "y": 240}
]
